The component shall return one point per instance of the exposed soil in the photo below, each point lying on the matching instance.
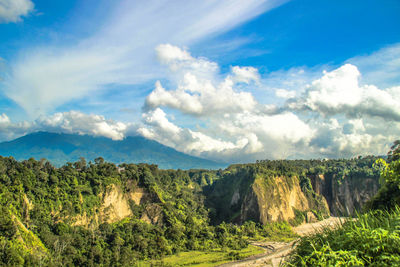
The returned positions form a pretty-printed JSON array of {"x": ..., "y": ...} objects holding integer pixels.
[{"x": 276, "y": 252}]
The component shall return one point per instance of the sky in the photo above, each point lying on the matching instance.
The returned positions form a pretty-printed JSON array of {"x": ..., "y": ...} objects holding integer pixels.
[{"x": 228, "y": 80}]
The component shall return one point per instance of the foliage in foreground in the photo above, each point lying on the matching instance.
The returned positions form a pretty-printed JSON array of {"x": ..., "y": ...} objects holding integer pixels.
[
  {"x": 388, "y": 195},
  {"x": 373, "y": 239}
]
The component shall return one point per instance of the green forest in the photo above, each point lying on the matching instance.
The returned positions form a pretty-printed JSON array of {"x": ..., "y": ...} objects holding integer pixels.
[{"x": 56, "y": 216}]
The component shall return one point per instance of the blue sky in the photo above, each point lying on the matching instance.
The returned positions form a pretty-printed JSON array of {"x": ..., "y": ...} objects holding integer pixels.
[{"x": 228, "y": 80}]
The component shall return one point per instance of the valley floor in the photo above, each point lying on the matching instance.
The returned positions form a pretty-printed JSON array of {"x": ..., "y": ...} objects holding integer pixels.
[{"x": 276, "y": 252}]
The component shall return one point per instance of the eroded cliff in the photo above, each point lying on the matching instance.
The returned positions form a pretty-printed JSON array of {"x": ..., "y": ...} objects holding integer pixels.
[
  {"x": 117, "y": 205},
  {"x": 250, "y": 194},
  {"x": 345, "y": 195},
  {"x": 295, "y": 192}
]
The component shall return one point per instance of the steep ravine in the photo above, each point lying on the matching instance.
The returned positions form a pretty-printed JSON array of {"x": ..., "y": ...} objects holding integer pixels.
[
  {"x": 345, "y": 196},
  {"x": 247, "y": 194}
]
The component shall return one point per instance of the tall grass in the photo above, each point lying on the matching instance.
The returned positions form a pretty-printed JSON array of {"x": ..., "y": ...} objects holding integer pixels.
[{"x": 373, "y": 239}]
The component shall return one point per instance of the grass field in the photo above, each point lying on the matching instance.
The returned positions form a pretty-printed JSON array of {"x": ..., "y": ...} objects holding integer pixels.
[{"x": 204, "y": 258}]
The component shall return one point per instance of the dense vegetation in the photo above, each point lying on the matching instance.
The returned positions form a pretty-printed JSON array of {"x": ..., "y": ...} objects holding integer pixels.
[
  {"x": 39, "y": 203},
  {"x": 373, "y": 239},
  {"x": 41, "y": 206}
]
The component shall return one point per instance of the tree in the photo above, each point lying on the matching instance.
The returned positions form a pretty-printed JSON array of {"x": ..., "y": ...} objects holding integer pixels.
[
  {"x": 394, "y": 153},
  {"x": 99, "y": 160},
  {"x": 388, "y": 196}
]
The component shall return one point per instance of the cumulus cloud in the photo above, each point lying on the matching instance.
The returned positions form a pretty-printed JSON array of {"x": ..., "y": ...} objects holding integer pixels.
[
  {"x": 199, "y": 92},
  {"x": 339, "y": 92},
  {"x": 9, "y": 130},
  {"x": 180, "y": 62},
  {"x": 67, "y": 122},
  {"x": 353, "y": 137},
  {"x": 238, "y": 127},
  {"x": 333, "y": 115},
  {"x": 168, "y": 53},
  {"x": 77, "y": 122},
  {"x": 245, "y": 74},
  {"x": 121, "y": 49},
  {"x": 14, "y": 10},
  {"x": 159, "y": 128}
]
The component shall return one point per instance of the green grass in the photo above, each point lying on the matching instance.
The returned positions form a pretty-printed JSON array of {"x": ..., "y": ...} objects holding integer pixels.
[
  {"x": 204, "y": 258},
  {"x": 373, "y": 239}
]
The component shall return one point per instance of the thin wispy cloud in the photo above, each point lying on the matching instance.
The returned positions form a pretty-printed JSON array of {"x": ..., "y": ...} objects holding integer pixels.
[
  {"x": 184, "y": 73},
  {"x": 381, "y": 67},
  {"x": 121, "y": 51}
]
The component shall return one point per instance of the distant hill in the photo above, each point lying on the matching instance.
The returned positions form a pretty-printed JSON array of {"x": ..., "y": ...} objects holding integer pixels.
[{"x": 62, "y": 148}]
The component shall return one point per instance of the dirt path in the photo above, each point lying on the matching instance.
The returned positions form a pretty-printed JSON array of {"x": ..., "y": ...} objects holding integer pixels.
[{"x": 275, "y": 252}]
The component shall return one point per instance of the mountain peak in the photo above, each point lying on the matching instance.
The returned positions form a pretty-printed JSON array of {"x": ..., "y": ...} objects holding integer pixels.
[{"x": 60, "y": 148}]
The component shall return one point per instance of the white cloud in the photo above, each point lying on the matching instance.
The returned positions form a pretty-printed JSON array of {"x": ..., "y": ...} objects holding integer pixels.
[
  {"x": 9, "y": 130},
  {"x": 121, "y": 50},
  {"x": 180, "y": 62},
  {"x": 339, "y": 92},
  {"x": 14, "y": 10},
  {"x": 77, "y": 122},
  {"x": 168, "y": 53},
  {"x": 67, "y": 122},
  {"x": 343, "y": 117},
  {"x": 200, "y": 91},
  {"x": 245, "y": 74},
  {"x": 335, "y": 139},
  {"x": 238, "y": 127},
  {"x": 158, "y": 127}
]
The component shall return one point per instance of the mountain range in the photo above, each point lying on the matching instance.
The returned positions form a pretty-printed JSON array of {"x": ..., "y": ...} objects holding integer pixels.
[{"x": 60, "y": 148}]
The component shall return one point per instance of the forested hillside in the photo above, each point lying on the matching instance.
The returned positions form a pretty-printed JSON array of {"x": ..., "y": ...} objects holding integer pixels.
[{"x": 98, "y": 213}]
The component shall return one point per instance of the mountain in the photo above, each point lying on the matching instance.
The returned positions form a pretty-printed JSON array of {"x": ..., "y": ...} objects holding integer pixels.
[{"x": 61, "y": 148}]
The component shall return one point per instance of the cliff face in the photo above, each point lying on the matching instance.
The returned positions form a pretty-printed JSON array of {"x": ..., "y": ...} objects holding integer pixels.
[
  {"x": 275, "y": 200},
  {"x": 250, "y": 192},
  {"x": 248, "y": 195},
  {"x": 345, "y": 196},
  {"x": 117, "y": 205}
]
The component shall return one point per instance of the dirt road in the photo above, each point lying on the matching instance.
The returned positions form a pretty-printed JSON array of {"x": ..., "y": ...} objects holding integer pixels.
[{"x": 275, "y": 252}]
